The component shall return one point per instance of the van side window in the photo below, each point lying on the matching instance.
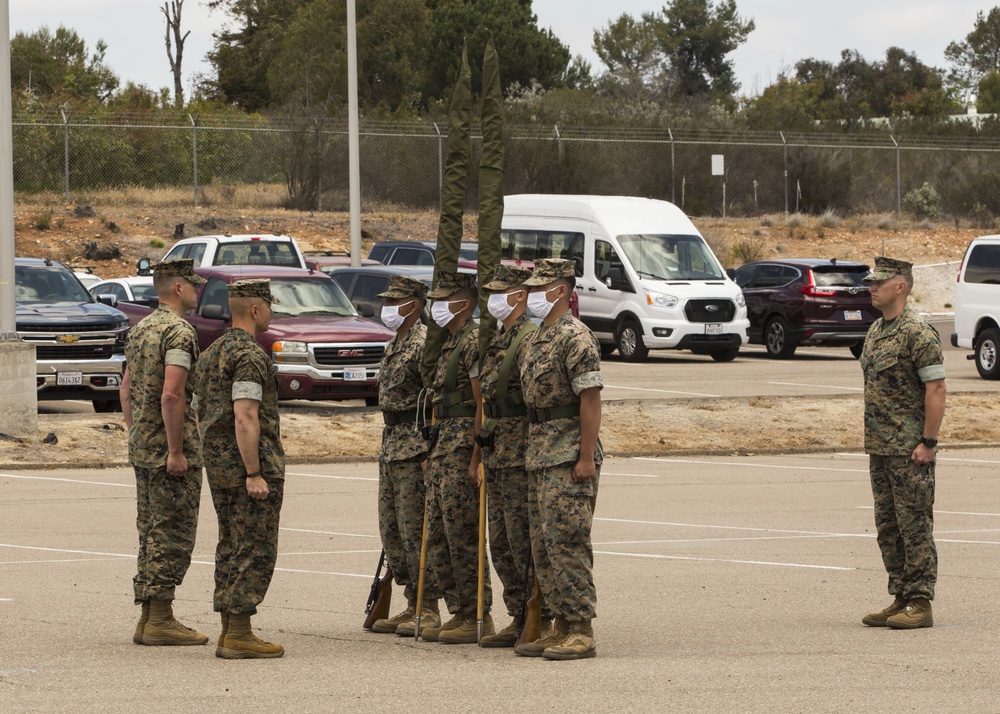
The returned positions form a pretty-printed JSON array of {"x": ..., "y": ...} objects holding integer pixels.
[
  {"x": 536, "y": 245},
  {"x": 984, "y": 265},
  {"x": 607, "y": 263}
]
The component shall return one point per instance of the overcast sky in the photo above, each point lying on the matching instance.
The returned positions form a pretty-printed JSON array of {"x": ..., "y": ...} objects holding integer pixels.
[{"x": 787, "y": 30}]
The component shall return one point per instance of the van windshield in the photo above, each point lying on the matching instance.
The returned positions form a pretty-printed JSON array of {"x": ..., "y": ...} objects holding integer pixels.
[{"x": 668, "y": 257}]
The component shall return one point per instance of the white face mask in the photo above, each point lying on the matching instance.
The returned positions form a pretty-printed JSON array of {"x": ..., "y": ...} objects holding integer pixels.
[
  {"x": 441, "y": 312},
  {"x": 539, "y": 303},
  {"x": 391, "y": 317},
  {"x": 499, "y": 307}
]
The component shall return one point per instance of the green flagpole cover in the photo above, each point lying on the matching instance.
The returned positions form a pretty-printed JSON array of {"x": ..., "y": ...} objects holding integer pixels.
[{"x": 490, "y": 189}]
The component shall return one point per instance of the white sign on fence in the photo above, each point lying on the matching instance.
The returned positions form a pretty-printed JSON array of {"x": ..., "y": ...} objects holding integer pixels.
[{"x": 718, "y": 165}]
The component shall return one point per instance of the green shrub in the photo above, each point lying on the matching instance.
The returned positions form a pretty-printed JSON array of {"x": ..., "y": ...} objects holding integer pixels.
[
  {"x": 746, "y": 250},
  {"x": 923, "y": 203},
  {"x": 43, "y": 221},
  {"x": 156, "y": 243}
]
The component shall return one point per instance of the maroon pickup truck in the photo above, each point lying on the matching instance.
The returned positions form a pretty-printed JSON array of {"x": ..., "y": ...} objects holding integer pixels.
[{"x": 320, "y": 346}]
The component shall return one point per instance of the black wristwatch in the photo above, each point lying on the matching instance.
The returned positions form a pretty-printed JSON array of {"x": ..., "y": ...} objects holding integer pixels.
[{"x": 929, "y": 443}]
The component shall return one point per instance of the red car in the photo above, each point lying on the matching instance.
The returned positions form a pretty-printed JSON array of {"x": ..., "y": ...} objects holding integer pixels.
[{"x": 321, "y": 347}]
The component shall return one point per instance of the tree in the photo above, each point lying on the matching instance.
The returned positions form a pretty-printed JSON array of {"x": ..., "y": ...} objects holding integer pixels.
[
  {"x": 172, "y": 11},
  {"x": 57, "y": 66},
  {"x": 978, "y": 54},
  {"x": 632, "y": 53},
  {"x": 988, "y": 98}
]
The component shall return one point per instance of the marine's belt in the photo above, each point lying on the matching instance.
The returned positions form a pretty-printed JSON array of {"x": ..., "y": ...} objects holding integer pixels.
[
  {"x": 513, "y": 406},
  {"x": 536, "y": 416},
  {"x": 444, "y": 411},
  {"x": 406, "y": 416}
]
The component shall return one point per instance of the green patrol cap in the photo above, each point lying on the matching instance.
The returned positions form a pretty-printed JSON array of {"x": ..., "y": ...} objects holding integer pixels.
[
  {"x": 886, "y": 268},
  {"x": 180, "y": 268},
  {"x": 403, "y": 286},
  {"x": 253, "y": 288},
  {"x": 506, "y": 277},
  {"x": 549, "y": 270},
  {"x": 447, "y": 283}
]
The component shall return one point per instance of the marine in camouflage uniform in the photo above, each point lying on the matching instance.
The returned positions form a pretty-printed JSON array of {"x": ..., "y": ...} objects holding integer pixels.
[
  {"x": 503, "y": 436},
  {"x": 168, "y": 491},
  {"x": 404, "y": 449},
  {"x": 247, "y": 484},
  {"x": 904, "y": 372},
  {"x": 452, "y": 501}
]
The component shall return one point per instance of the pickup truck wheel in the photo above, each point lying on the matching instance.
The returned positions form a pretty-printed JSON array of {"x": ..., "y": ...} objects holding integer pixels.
[
  {"x": 857, "y": 349},
  {"x": 726, "y": 355},
  {"x": 630, "y": 344},
  {"x": 777, "y": 338},
  {"x": 107, "y": 407},
  {"x": 371, "y": 401},
  {"x": 988, "y": 353}
]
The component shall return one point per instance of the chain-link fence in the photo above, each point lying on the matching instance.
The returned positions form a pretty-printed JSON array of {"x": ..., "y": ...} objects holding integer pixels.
[{"x": 303, "y": 164}]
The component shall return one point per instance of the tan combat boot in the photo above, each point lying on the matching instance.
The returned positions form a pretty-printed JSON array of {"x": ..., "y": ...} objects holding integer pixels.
[
  {"x": 163, "y": 629},
  {"x": 917, "y": 613},
  {"x": 242, "y": 643},
  {"x": 552, "y": 634},
  {"x": 388, "y": 625},
  {"x": 431, "y": 633},
  {"x": 505, "y": 638},
  {"x": 878, "y": 619},
  {"x": 579, "y": 643},
  {"x": 430, "y": 618},
  {"x": 467, "y": 632},
  {"x": 141, "y": 625},
  {"x": 224, "y": 616}
]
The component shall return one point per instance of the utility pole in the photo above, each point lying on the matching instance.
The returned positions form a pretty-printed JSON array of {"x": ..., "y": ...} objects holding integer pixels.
[{"x": 353, "y": 148}]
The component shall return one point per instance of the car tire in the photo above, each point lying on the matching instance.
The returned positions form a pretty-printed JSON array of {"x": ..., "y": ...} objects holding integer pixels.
[
  {"x": 371, "y": 401},
  {"x": 608, "y": 349},
  {"x": 857, "y": 349},
  {"x": 629, "y": 342},
  {"x": 778, "y": 338},
  {"x": 988, "y": 353},
  {"x": 726, "y": 355},
  {"x": 107, "y": 407}
]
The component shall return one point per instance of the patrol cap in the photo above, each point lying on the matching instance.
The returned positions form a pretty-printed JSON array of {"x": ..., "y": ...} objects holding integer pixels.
[
  {"x": 506, "y": 277},
  {"x": 447, "y": 283},
  {"x": 549, "y": 270},
  {"x": 179, "y": 268},
  {"x": 886, "y": 268},
  {"x": 403, "y": 286},
  {"x": 253, "y": 288}
]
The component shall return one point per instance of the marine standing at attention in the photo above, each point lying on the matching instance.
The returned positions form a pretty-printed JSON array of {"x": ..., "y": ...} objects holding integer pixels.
[
  {"x": 904, "y": 406},
  {"x": 164, "y": 450},
  {"x": 238, "y": 411},
  {"x": 401, "y": 489},
  {"x": 561, "y": 378}
]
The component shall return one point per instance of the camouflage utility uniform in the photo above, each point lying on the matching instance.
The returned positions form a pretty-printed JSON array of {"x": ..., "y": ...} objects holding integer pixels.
[
  {"x": 235, "y": 367},
  {"x": 562, "y": 360},
  {"x": 898, "y": 358},
  {"x": 506, "y": 478},
  {"x": 452, "y": 502},
  {"x": 401, "y": 477},
  {"x": 167, "y": 506}
]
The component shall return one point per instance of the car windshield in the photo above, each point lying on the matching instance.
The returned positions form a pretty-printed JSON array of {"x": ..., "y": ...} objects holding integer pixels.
[
  {"x": 840, "y": 277},
  {"x": 310, "y": 297},
  {"x": 257, "y": 252},
  {"x": 44, "y": 285},
  {"x": 669, "y": 257},
  {"x": 143, "y": 292}
]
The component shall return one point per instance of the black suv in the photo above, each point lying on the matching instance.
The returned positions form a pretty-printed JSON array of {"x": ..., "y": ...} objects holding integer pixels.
[
  {"x": 806, "y": 301},
  {"x": 420, "y": 252},
  {"x": 363, "y": 284}
]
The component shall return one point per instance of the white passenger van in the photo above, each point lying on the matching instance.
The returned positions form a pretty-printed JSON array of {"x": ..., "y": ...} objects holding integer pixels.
[
  {"x": 645, "y": 277},
  {"x": 977, "y": 305}
]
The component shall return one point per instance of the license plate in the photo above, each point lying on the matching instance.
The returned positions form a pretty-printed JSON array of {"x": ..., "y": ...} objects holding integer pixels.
[
  {"x": 69, "y": 379},
  {"x": 713, "y": 329},
  {"x": 852, "y": 314},
  {"x": 355, "y": 375}
]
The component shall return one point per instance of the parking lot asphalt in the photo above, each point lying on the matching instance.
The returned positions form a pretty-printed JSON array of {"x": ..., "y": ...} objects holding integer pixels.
[{"x": 724, "y": 584}]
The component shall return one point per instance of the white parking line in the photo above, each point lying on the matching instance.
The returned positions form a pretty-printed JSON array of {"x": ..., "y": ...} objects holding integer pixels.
[
  {"x": 330, "y": 476},
  {"x": 69, "y": 480},
  {"x": 722, "y": 560},
  {"x": 716, "y": 540},
  {"x": 939, "y": 458},
  {"x": 818, "y": 386},
  {"x": 348, "y": 535},
  {"x": 661, "y": 391},
  {"x": 608, "y": 473},
  {"x": 736, "y": 528},
  {"x": 743, "y": 464}
]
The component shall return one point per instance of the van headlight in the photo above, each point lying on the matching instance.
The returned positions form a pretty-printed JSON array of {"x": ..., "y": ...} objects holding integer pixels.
[
  {"x": 659, "y": 299},
  {"x": 286, "y": 351}
]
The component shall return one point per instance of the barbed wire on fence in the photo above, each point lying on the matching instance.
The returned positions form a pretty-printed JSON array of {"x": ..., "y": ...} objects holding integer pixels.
[{"x": 305, "y": 161}]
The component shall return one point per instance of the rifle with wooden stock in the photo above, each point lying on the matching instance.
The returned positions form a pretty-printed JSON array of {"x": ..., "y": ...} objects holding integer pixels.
[
  {"x": 380, "y": 596},
  {"x": 529, "y": 620}
]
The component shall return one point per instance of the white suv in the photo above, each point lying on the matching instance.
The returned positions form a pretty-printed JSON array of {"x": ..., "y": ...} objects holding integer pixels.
[
  {"x": 208, "y": 251},
  {"x": 977, "y": 305}
]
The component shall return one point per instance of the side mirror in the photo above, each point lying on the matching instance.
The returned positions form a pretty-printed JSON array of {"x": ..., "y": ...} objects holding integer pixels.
[
  {"x": 365, "y": 310},
  {"x": 107, "y": 299},
  {"x": 143, "y": 267},
  {"x": 215, "y": 312},
  {"x": 731, "y": 272},
  {"x": 614, "y": 279}
]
